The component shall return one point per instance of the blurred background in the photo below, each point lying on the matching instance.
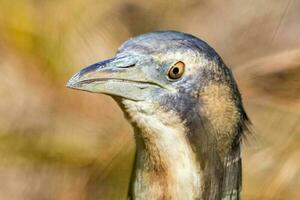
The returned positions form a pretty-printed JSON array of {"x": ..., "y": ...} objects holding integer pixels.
[{"x": 60, "y": 144}]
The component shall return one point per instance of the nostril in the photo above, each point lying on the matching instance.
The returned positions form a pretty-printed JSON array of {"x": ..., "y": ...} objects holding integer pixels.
[{"x": 126, "y": 66}]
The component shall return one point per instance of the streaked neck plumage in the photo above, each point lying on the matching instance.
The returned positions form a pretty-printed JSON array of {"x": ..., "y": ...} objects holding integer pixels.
[{"x": 168, "y": 164}]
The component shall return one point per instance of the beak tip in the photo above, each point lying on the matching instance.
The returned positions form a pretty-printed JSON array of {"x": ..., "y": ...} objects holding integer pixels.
[
  {"x": 73, "y": 81},
  {"x": 72, "y": 84},
  {"x": 69, "y": 85}
]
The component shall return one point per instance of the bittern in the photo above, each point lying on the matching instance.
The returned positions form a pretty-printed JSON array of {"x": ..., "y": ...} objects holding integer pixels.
[{"x": 187, "y": 114}]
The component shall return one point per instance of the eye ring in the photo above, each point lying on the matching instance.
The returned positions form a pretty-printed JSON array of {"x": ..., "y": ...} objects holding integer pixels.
[{"x": 176, "y": 71}]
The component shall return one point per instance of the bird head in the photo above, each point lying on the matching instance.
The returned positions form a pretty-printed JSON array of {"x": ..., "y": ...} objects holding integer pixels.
[
  {"x": 173, "y": 71},
  {"x": 144, "y": 69}
]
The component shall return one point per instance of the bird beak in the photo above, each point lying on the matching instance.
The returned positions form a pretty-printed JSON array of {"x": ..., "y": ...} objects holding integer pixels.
[{"x": 118, "y": 76}]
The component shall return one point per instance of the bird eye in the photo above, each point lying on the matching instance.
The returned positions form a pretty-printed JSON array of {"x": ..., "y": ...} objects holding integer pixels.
[{"x": 176, "y": 71}]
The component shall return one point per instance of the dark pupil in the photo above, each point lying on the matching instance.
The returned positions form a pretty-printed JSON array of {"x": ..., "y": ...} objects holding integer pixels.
[{"x": 175, "y": 70}]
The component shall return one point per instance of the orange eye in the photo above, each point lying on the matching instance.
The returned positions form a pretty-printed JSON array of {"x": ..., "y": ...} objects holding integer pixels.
[{"x": 176, "y": 71}]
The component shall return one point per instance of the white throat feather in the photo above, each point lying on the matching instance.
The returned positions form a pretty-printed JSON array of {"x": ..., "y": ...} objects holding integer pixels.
[{"x": 166, "y": 166}]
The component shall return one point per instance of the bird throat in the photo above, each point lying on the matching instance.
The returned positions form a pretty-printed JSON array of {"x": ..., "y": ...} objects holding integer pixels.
[
  {"x": 166, "y": 166},
  {"x": 174, "y": 162}
]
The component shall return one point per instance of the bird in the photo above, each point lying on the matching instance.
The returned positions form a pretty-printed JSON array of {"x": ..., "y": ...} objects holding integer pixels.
[{"x": 186, "y": 111}]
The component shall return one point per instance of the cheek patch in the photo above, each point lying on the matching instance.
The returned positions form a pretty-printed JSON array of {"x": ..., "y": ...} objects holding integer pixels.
[{"x": 219, "y": 106}]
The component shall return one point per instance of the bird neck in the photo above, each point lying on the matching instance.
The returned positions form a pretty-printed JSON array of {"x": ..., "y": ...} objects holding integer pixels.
[
  {"x": 169, "y": 163},
  {"x": 166, "y": 166}
]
